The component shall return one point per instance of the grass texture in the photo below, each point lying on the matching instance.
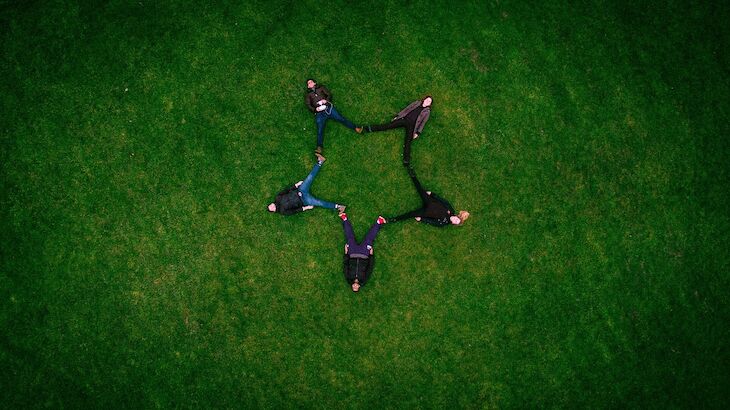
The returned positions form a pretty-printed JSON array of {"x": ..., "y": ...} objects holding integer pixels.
[{"x": 141, "y": 141}]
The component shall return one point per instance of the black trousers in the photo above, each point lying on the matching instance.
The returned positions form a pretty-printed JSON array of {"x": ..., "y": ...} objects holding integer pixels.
[
  {"x": 410, "y": 127},
  {"x": 421, "y": 192}
]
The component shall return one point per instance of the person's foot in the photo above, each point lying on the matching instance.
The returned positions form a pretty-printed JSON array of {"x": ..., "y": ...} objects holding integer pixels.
[
  {"x": 320, "y": 157},
  {"x": 341, "y": 208},
  {"x": 343, "y": 216},
  {"x": 318, "y": 150},
  {"x": 358, "y": 130},
  {"x": 382, "y": 220}
]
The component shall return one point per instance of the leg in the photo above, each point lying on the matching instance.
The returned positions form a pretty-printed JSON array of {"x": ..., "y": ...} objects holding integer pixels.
[
  {"x": 389, "y": 126},
  {"x": 370, "y": 236},
  {"x": 310, "y": 199},
  {"x": 407, "y": 143},
  {"x": 342, "y": 120},
  {"x": 349, "y": 234},
  {"x": 421, "y": 192},
  {"x": 321, "y": 119},
  {"x": 304, "y": 187}
]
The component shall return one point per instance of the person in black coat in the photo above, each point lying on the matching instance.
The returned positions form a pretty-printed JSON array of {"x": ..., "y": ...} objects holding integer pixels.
[{"x": 435, "y": 210}]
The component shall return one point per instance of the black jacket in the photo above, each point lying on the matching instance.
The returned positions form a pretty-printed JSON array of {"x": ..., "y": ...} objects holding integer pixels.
[
  {"x": 289, "y": 202},
  {"x": 360, "y": 269},
  {"x": 437, "y": 211},
  {"x": 314, "y": 95}
]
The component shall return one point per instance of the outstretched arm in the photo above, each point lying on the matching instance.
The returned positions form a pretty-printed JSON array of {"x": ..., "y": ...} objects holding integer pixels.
[{"x": 413, "y": 214}]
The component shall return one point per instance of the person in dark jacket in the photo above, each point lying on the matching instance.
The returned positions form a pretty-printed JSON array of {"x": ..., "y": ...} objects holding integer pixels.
[
  {"x": 359, "y": 258},
  {"x": 435, "y": 210},
  {"x": 412, "y": 119},
  {"x": 319, "y": 102},
  {"x": 297, "y": 198}
]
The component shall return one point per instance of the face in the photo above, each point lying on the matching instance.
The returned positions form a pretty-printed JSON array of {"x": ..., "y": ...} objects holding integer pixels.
[
  {"x": 355, "y": 286},
  {"x": 272, "y": 207},
  {"x": 427, "y": 101},
  {"x": 311, "y": 83},
  {"x": 455, "y": 220}
]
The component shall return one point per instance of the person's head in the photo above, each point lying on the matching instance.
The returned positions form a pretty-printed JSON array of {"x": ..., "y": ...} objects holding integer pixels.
[
  {"x": 459, "y": 219},
  {"x": 311, "y": 83},
  {"x": 427, "y": 100},
  {"x": 356, "y": 285},
  {"x": 272, "y": 207}
]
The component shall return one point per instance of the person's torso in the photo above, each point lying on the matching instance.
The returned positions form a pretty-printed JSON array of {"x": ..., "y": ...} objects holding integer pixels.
[
  {"x": 317, "y": 95},
  {"x": 357, "y": 268},
  {"x": 436, "y": 209},
  {"x": 413, "y": 115},
  {"x": 290, "y": 200}
]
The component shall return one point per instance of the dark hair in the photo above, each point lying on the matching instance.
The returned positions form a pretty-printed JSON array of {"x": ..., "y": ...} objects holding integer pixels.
[
  {"x": 428, "y": 96},
  {"x": 310, "y": 79}
]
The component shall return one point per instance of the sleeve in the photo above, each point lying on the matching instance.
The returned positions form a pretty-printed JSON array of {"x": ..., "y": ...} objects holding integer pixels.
[
  {"x": 345, "y": 266},
  {"x": 309, "y": 103},
  {"x": 421, "y": 121},
  {"x": 369, "y": 270},
  {"x": 291, "y": 211},
  {"x": 407, "y": 215},
  {"x": 433, "y": 221},
  {"x": 327, "y": 93},
  {"x": 412, "y": 106}
]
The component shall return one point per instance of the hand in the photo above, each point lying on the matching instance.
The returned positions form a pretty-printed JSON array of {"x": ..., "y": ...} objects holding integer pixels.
[
  {"x": 347, "y": 248},
  {"x": 418, "y": 218},
  {"x": 298, "y": 184},
  {"x": 415, "y": 135},
  {"x": 428, "y": 192},
  {"x": 308, "y": 207}
]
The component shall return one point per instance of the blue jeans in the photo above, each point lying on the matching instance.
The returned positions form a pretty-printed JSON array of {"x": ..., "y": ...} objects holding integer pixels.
[
  {"x": 322, "y": 117},
  {"x": 310, "y": 199}
]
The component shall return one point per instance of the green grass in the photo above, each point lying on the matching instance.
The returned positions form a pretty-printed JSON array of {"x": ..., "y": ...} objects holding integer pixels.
[{"x": 141, "y": 141}]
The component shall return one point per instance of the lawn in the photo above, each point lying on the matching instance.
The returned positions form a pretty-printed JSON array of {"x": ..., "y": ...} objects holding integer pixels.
[{"x": 140, "y": 143}]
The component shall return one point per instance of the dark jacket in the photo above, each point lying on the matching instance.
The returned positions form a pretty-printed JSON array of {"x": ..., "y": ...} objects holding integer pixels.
[
  {"x": 357, "y": 268},
  {"x": 437, "y": 211},
  {"x": 422, "y": 114},
  {"x": 319, "y": 92},
  {"x": 289, "y": 202}
]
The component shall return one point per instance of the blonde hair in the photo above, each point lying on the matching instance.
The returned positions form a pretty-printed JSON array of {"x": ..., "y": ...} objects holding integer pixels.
[{"x": 464, "y": 215}]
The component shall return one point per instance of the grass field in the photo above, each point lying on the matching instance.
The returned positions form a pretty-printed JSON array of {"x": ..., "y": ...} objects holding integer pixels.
[{"x": 141, "y": 141}]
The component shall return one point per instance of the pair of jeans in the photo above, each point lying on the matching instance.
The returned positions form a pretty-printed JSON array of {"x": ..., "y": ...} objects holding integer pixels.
[
  {"x": 310, "y": 199},
  {"x": 366, "y": 244},
  {"x": 322, "y": 117}
]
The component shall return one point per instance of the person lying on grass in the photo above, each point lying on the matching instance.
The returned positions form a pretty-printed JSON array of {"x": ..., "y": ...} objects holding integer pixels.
[
  {"x": 297, "y": 198},
  {"x": 412, "y": 119},
  {"x": 359, "y": 258},
  {"x": 319, "y": 102},
  {"x": 435, "y": 210}
]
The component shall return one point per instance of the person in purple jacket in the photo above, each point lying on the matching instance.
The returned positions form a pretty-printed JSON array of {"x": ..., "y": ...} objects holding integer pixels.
[
  {"x": 412, "y": 119},
  {"x": 359, "y": 258}
]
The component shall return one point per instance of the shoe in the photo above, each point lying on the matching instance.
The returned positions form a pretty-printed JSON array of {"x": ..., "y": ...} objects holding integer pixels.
[
  {"x": 318, "y": 150},
  {"x": 343, "y": 216},
  {"x": 320, "y": 157},
  {"x": 382, "y": 220},
  {"x": 341, "y": 208},
  {"x": 358, "y": 130}
]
